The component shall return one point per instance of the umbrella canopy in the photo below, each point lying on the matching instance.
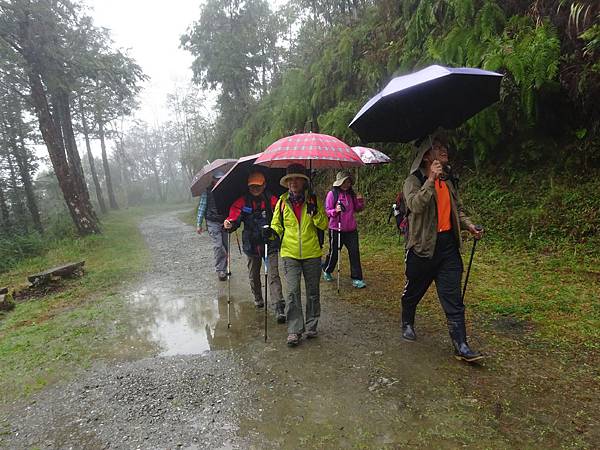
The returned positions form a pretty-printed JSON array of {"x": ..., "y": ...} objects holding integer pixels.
[
  {"x": 371, "y": 156},
  {"x": 412, "y": 106},
  {"x": 204, "y": 176},
  {"x": 234, "y": 184},
  {"x": 313, "y": 150}
]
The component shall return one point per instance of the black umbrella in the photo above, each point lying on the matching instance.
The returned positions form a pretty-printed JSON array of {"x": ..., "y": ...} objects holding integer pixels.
[
  {"x": 412, "y": 106},
  {"x": 235, "y": 182}
]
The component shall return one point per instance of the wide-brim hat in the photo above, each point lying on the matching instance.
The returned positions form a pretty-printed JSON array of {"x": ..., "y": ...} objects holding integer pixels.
[
  {"x": 293, "y": 171},
  {"x": 342, "y": 176},
  {"x": 218, "y": 174},
  {"x": 425, "y": 144}
]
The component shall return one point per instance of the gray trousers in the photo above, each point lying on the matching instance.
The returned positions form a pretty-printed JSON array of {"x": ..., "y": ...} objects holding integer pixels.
[
  {"x": 254, "y": 265},
  {"x": 294, "y": 269},
  {"x": 219, "y": 240}
]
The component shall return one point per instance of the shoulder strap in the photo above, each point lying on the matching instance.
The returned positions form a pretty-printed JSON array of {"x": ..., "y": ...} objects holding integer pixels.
[
  {"x": 417, "y": 173},
  {"x": 336, "y": 196}
]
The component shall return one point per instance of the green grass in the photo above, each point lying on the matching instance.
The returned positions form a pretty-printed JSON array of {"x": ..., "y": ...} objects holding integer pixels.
[
  {"x": 46, "y": 339},
  {"x": 556, "y": 295}
]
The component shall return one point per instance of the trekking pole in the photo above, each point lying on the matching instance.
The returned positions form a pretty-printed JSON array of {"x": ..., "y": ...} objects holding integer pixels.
[
  {"x": 228, "y": 280},
  {"x": 478, "y": 228},
  {"x": 339, "y": 250},
  {"x": 238, "y": 242},
  {"x": 266, "y": 261}
]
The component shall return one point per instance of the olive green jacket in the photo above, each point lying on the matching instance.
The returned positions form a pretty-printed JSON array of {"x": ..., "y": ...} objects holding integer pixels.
[
  {"x": 422, "y": 219},
  {"x": 300, "y": 239}
]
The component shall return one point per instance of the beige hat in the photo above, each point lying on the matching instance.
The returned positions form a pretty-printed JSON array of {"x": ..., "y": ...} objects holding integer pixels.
[
  {"x": 293, "y": 171},
  {"x": 425, "y": 145},
  {"x": 341, "y": 177}
]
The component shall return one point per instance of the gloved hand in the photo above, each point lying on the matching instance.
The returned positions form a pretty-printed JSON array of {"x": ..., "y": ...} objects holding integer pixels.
[{"x": 267, "y": 232}]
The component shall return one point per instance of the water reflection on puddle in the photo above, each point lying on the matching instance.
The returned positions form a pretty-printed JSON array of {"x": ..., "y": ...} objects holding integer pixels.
[{"x": 191, "y": 321}]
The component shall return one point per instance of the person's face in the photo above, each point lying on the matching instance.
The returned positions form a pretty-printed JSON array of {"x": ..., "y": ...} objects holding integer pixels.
[
  {"x": 347, "y": 184},
  {"x": 256, "y": 189},
  {"x": 296, "y": 184},
  {"x": 438, "y": 151}
]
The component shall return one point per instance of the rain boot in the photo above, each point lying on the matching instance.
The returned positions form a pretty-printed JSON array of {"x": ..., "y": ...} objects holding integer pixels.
[
  {"x": 408, "y": 332},
  {"x": 280, "y": 312},
  {"x": 458, "y": 334},
  {"x": 408, "y": 325}
]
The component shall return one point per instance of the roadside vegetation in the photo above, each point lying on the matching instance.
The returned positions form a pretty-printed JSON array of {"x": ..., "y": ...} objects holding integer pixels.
[{"x": 45, "y": 339}]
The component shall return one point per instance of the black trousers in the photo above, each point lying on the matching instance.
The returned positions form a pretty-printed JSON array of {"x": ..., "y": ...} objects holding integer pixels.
[
  {"x": 349, "y": 239},
  {"x": 445, "y": 268}
]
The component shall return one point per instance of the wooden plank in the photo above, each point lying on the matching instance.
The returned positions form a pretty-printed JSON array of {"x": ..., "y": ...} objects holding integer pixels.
[
  {"x": 6, "y": 302},
  {"x": 60, "y": 271}
]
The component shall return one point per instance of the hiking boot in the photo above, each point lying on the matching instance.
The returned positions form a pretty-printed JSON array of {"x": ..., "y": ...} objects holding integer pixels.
[
  {"x": 327, "y": 276},
  {"x": 293, "y": 339},
  {"x": 359, "y": 284},
  {"x": 458, "y": 334},
  {"x": 310, "y": 334},
  {"x": 408, "y": 332},
  {"x": 280, "y": 312},
  {"x": 222, "y": 276}
]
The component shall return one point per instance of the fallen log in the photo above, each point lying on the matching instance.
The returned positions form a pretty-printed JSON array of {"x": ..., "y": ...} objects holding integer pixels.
[
  {"x": 67, "y": 270},
  {"x": 6, "y": 302}
]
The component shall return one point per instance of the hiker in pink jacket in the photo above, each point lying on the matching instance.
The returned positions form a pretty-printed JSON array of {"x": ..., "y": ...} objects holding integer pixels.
[{"x": 340, "y": 205}]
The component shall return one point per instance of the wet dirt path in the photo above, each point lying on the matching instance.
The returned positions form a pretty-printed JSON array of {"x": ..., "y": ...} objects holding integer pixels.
[{"x": 197, "y": 384}]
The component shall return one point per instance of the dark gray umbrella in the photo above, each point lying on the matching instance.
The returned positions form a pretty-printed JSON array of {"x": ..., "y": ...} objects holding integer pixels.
[
  {"x": 205, "y": 175},
  {"x": 412, "y": 106}
]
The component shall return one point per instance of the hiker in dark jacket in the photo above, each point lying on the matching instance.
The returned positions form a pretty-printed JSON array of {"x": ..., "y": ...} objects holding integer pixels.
[
  {"x": 207, "y": 209},
  {"x": 432, "y": 247},
  {"x": 340, "y": 205},
  {"x": 255, "y": 210}
]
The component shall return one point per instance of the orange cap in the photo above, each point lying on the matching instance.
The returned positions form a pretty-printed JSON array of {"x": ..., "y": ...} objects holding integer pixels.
[{"x": 256, "y": 179}]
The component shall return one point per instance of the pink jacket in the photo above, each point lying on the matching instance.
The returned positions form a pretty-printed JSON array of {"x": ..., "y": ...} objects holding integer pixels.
[{"x": 348, "y": 222}]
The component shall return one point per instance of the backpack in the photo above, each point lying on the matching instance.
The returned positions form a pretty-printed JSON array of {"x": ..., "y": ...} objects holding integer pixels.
[
  {"x": 400, "y": 209},
  {"x": 254, "y": 220},
  {"x": 336, "y": 194}
]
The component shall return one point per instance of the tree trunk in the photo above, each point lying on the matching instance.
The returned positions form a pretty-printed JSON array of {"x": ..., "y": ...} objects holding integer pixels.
[
  {"x": 17, "y": 198},
  {"x": 24, "y": 170},
  {"x": 64, "y": 109},
  {"x": 4, "y": 211},
  {"x": 109, "y": 188},
  {"x": 88, "y": 148},
  {"x": 84, "y": 219}
]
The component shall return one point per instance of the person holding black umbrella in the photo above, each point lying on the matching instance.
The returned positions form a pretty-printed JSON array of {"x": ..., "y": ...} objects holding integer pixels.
[
  {"x": 255, "y": 210},
  {"x": 207, "y": 209},
  {"x": 435, "y": 219}
]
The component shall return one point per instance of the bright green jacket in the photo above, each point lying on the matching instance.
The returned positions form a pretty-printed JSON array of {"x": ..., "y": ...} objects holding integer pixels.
[{"x": 299, "y": 240}]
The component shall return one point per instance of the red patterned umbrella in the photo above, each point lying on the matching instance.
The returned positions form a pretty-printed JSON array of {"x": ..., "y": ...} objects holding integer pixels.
[{"x": 313, "y": 150}]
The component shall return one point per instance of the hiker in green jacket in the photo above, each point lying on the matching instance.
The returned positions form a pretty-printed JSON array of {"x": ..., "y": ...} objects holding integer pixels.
[
  {"x": 296, "y": 218},
  {"x": 435, "y": 219}
]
